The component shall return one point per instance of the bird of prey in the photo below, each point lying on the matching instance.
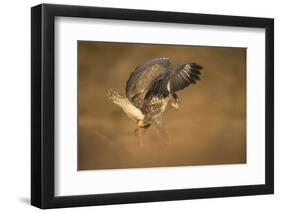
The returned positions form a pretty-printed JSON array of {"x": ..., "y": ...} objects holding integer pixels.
[{"x": 151, "y": 89}]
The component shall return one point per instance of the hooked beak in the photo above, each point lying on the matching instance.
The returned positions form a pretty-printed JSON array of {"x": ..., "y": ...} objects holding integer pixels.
[{"x": 175, "y": 105}]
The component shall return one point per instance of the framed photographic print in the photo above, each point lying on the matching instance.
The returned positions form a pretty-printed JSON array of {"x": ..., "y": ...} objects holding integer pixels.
[{"x": 139, "y": 106}]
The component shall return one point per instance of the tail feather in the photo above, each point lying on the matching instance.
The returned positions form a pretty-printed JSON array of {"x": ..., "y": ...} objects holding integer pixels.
[
  {"x": 121, "y": 100},
  {"x": 115, "y": 97}
]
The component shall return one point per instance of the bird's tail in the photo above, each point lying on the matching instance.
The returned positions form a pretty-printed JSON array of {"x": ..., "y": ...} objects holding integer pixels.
[{"x": 116, "y": 97}]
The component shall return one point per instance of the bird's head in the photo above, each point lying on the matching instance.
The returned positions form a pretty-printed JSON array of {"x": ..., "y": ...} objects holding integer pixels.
[{"x": 175, "y": 102}]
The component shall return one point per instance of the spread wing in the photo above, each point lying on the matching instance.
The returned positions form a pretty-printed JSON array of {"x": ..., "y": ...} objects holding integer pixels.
[
  {"x": 140, "y": 80},
  {"x": 173, "y": 80}
]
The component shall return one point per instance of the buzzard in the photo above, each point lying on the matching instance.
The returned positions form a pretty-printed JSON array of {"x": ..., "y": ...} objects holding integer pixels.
[{"x": 151, "y": 89}]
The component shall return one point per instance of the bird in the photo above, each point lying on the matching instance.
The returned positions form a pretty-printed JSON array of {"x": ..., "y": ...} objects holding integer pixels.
[{"x": 151, "y": 90}]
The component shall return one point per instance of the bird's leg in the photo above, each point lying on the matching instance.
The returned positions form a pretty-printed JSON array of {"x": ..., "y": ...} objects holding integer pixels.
[
  {"x": 162, "y": 131},
  {"x": 139, "y": 131}
]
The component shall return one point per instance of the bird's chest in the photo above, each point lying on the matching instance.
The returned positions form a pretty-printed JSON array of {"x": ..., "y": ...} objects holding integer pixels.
[{"x": 157, "y": 105}]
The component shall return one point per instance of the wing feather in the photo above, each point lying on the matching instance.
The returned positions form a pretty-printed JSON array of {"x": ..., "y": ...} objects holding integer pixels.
[
  {"x": 174, "y": 80},
  {"x": 140, "y": 80}
]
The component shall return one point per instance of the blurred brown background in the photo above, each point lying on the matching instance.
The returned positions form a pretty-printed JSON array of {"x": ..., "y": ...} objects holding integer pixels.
[{"x": 209, "y": 127}]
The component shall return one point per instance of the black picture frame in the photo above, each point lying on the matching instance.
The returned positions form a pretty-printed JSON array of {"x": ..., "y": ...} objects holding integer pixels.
[{"x": 43, "y": 117}]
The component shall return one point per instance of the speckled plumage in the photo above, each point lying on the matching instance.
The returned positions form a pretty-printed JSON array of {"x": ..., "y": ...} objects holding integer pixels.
[{"x": 152, "y": 87}]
